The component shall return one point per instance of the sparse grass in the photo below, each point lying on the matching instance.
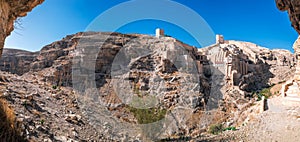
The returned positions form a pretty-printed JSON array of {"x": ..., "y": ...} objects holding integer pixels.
[
  {"x": 146, "y": 116},
  {"x": 141, "y": 108},
  {"x": 9, "y": 128},
  {"x": 215, "y": 129}
]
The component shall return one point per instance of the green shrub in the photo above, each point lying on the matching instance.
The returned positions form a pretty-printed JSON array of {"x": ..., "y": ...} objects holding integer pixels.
[
  {"x": 259, "y": 96},
  {"x": 264, "y": 92},
  {"x": 24, "y": 103},
  {"x": 42, "y": 121},
  {"x": 230, "y": 129},
  {"x": 54, "y": 87}
]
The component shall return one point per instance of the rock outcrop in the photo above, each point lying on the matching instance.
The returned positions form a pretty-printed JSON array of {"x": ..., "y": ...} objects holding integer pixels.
[
  {"x": 17, "y": 61},
  {"x": 10, "y": 10},
  {"x": 293, "y": 8},
  {"x": 44, "y": 112},
  {"x": 124, "y": 67},
  {"x": 291, "y": 88},
  {"x": 156, "y": 88},
  {"x": 116, "y": 78},
  {"x": 249, "y": 66}
]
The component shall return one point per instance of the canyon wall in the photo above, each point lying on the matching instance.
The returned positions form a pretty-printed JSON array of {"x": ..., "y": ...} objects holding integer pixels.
[
  {"x": 292, "y": 88},
  {"x": 125, "y": 68},
  {"x": 10, "y": 10}
]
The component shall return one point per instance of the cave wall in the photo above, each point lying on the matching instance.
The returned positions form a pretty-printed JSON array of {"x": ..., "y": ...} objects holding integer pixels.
[
  {"x": 10, "y": 10},
  {"x": 293, "y": 9}
]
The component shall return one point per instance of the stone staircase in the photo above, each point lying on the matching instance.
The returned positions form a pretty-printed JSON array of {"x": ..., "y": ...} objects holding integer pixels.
[{"x": 293, "y": 92}]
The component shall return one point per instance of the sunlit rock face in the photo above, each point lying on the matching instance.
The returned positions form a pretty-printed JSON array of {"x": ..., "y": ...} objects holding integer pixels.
[{"x": 10, "y": 10}]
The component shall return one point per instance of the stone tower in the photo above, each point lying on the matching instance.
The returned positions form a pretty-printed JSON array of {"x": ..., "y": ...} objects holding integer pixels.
[
  {"x": 220, "y": 39},
  {"x": 159, "y": 33}
]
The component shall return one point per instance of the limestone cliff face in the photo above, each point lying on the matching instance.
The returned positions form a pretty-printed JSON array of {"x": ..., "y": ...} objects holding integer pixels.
[
  {"x": 141, "y": 66},
  {"x": 17, "y": 61},
  {"x": 250, "y": 66},
  {"x": 10, "y": 10}
]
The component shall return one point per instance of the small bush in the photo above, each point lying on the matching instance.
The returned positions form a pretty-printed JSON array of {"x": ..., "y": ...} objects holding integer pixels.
[
  {"x": 42, "y": 121},
  {"x": 259, "y": 96},
  {"x": 230, "y": 129},
  {"x": 54, "y": 87},
  {"x": 215, "y": 129},
  {"x": 265, "y": 92},
  {"x": 24, "y": 103}
]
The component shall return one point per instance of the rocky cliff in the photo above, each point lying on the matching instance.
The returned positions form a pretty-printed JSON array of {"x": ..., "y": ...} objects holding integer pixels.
[
  {"x": 10, "y": 10},
  {"x": 17, "y": 61},
  {"x": 93, "y": 86},
  {"x": 291, "y": 89},
  {"x": 98, "y": 80},
  {"x": 293, "y": 8},
  {"x": 150, "y": 76}
]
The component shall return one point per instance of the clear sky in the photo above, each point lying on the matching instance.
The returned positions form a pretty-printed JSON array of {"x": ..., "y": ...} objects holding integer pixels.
[{"x": 256, "y": 21}]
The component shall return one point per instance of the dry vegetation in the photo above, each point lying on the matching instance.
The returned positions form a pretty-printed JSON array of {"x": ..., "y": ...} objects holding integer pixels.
[{"x": 9, "y": 128}]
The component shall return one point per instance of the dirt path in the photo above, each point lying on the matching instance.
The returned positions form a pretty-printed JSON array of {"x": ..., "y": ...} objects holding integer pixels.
[{"x": 280, "y": 123}]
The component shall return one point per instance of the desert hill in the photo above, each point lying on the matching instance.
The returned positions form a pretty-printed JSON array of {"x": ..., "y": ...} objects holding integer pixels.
[{"x": 118, "y": 78}]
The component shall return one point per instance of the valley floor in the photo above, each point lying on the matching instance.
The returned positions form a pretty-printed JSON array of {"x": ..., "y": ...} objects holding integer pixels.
[{"x": 280, "y": 123}]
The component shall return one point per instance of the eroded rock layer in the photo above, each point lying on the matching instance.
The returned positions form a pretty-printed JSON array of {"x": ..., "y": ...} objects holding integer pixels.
[{"x": 10, "y": 10}]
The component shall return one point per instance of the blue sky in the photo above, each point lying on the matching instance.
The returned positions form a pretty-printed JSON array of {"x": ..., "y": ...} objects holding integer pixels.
[{"x": 256, "y": 21}]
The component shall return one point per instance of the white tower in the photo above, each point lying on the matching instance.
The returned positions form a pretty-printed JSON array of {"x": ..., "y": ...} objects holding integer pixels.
[
  {"x": 220, "y": 39},
  {"x": 159, "y": 33}
]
